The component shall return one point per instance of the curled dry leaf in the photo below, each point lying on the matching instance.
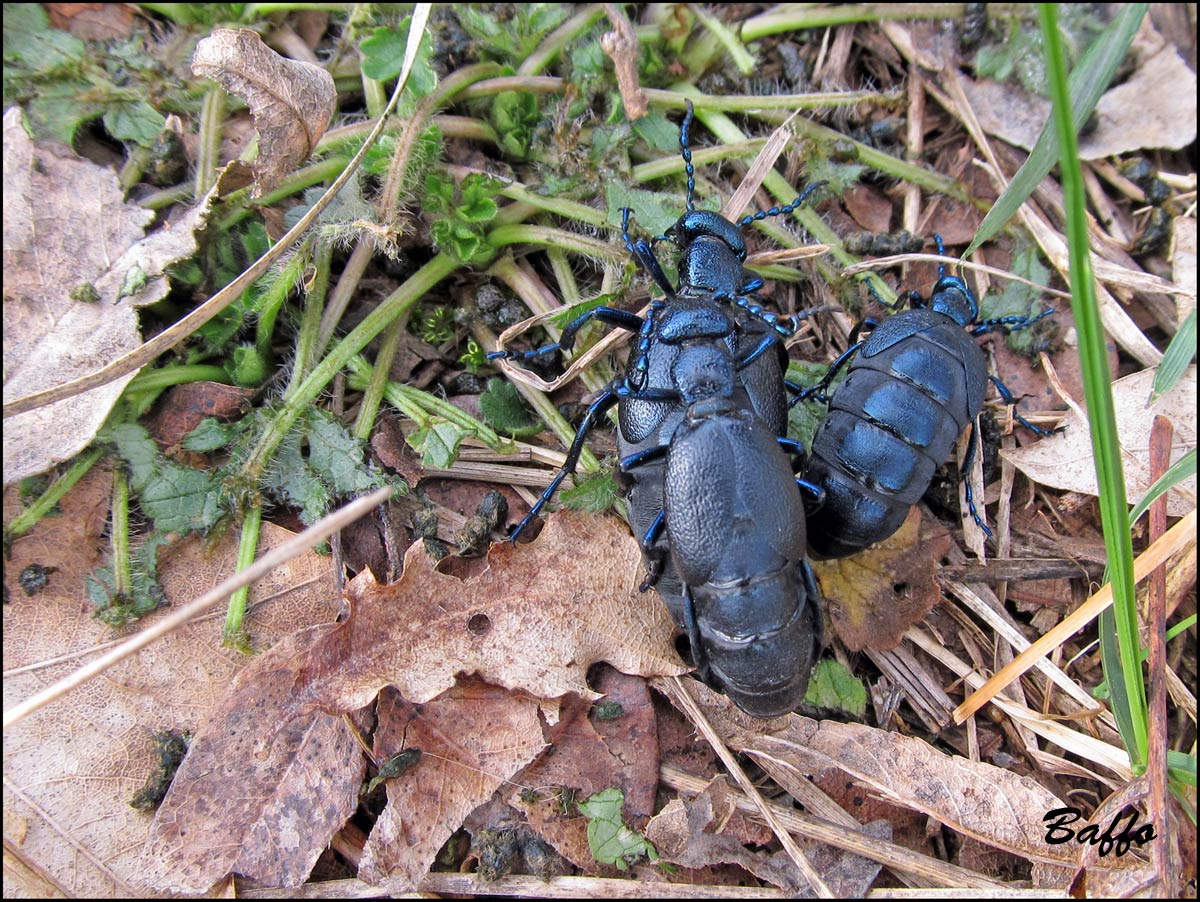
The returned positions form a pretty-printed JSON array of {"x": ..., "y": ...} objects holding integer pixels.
[
  {"x": 71, "y": 769},
  {"x": 1065, "y": 460},
  {"x": 876, "y": 595},
  {"x": 472, "y": 740},
  {"x": 291, "y": 101},
  {"x": 995, "y": 806},
  {"x": 72, "y": 251},
  {"x": 535, "y": 619}
]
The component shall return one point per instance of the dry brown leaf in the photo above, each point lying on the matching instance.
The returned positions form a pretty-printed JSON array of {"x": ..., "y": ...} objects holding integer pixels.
[
  {"x": 876, "y": 595},
  {"x": 71, "y": 768},
  {"x": 68, "y": 230},
  {"x": 996, "y": 806},
  {"x": 291, "y": 101},
  {"x": 694, "y": 834},
  {"x": 472, "y": 740},
  {"x": 1155, "y": 107},
  {"x": 257, "y": 794},
  {"x": 582, "y": 764},
  {"x": 1065, "y": 461},
  {"x": 632, "y": 737},
  {"x": 535, "y": 619}
]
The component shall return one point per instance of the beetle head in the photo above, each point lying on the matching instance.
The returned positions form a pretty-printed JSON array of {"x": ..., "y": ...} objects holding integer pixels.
[{"x": 951, "y": 297}]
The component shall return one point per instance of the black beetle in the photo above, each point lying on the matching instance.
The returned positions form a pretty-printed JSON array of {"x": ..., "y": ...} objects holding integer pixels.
[
  {"x": 910, "y": 390},
  {"x": 712, "y": 494}
]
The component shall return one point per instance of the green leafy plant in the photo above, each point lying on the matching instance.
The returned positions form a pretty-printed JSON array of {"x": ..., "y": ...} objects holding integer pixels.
[
  {"x": 118, "y": 604},
  {"x": 832, "y": 686},
  {"x": 63, "y": 82},
  {"x": 510, "y": 38},
  {"x": 460, "y": 214},
  {"x": 504, "y": 411},
  {"x": 1120, "y": 647},
  {"x": 610, "y": 841}
]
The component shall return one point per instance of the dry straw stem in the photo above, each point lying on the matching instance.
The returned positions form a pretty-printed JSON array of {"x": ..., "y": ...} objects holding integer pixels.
[
  {"x": 445, "y": 883},
  {"x": 1049, "y": 727},
  {"x": 312, "y": 536},
  {"x": 681, "y": 694},
  {"x": 851, "y": 839},
  {"x": 1175, "y": 539},
  {"x": 897, "y": 259}
]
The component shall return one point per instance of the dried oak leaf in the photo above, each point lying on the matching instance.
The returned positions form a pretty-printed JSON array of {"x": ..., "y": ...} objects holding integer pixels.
[
  {"x": 258, "y": 794},
  {"x": 535, "y": 619},
  {"x": 876, "y": 595},
  {"x": 76, "y": 269},
  {"x": 291, "y": 101},
  {"x": 996, "y": 806},
  {"x": 691, "y": 833},
  {"x": 472, "y": 740}
]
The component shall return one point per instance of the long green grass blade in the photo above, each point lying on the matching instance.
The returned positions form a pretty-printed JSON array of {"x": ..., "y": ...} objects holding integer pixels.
[
  {"x": 1114, "y": 509},
  {"x": 1176, "y": 359},
  {"x": 1087, "y": 84}
]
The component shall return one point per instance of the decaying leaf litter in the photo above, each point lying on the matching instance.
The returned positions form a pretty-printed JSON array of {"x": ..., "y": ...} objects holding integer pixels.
[{"x": 561, "y": 749}]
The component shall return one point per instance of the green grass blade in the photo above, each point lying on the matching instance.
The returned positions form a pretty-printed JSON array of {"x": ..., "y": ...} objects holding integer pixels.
[
  {"x": 1176, "y": 473},
  {"x": 1087, "y": 84},
  {"x": 1114, "y": 509},
  {"x": 1176, "y": 359}
]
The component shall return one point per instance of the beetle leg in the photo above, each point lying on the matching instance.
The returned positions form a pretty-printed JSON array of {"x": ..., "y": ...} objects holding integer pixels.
[
  {"x": 654, "y": 553},
  {"x": 699, "y": 658},
  {"x": 1010, "y": 323},
  {"x": 1007, "y": 396},
  {"x": 644, "y": 254},
  {"x": 817, "y": 392},
  {"x": 611, "y": 316},
  {"x": 968, "y": 461},
  {"x": 598, "y": 408}
]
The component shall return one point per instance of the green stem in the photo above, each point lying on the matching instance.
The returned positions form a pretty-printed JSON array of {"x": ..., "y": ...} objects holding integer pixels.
[
  {"x": 452, "y": 85},
  {"x": 119, "y": 535},
  {"x": 419, "y": 405},
  {"x": 317, "y": 173},
  {"x": 276, "y": 295},
  {"x": 800, "y": 16},
  {"x": 1106, "y": 448},
  {"x": 45, "y": 502},
  {"x": 397, "y": 303},
  {"x": 175, "y": 374},
  {"x": 550, "y": 237},
  {"x": 742, "y": 58},
  {"x": 212, "y": 111},
  {"x": 234, "y": 635},
  {"x": 310, "y": 319},
  {"x": 549, "y": 49},
  {"x": 373, "y": 392}
]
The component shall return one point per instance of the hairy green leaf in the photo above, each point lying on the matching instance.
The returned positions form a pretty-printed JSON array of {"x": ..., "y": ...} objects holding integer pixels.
[{"x": 504, "y": 411}]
